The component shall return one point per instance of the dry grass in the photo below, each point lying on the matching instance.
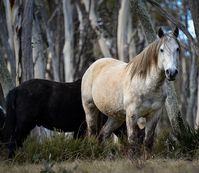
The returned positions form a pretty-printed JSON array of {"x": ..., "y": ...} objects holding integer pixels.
[{"x": 119, "y": 166}]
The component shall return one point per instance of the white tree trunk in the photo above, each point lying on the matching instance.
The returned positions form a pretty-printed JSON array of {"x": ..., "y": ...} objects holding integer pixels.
[
  {"x": 131, "y": 39},
  {"x": 17, "y": 22},
  {"x": 93, "y": 18},
  {"x": 82, "y": 34},
  {"x": 122, "y": 32},
  {"x": 26, "y": 45},
  {"x": 69, "y": 42},
  {"x": 38, "y": 54},
  {"x": 9, "y": 23},
  {"x": 197, "y": 115},
  {"x": 190, "y": 115}
]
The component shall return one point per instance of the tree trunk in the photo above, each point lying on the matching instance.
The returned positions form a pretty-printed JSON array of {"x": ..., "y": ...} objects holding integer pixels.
[
  {"x": 82, "y": 38},
  {"x": 145, "y": 20},
  {"x": 26, "y": 37},
  {"x": 5, "y": 78},
  {"x": 194, "y": 7},
  {"x": 172, "y": 109},
  {"x": 91, "y": 9},
  {"x": 190, "y": 115},
  {"x": 51, "y": 41},
  {"x": 2, "y": 98},
  {"x": 197, "y": 114},
  {"x": 17, "y": 15},
  {"x": 69, "y": 41},
  {"x": 122, "y": 32},
  {"x": 6, "y": 39},
  {"x": 38, "y": 50}
]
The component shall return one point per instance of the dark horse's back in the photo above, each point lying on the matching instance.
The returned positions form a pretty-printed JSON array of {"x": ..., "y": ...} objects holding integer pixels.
[{"x": 53, "y": 105}]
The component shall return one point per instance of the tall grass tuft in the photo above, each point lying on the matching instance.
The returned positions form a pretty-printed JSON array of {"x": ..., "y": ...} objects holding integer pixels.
[
  {"x": 60, "y": 148},
  {"x": 182, "y": 143}
]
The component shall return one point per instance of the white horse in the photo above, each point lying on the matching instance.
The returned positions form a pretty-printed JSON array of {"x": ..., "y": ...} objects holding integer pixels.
[{"x": 128, "y": 91}]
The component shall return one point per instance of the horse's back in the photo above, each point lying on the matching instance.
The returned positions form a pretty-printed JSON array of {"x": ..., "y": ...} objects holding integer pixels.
[
  {"x": 101, "y": 67},
  {"x": 50, "y": 104}
]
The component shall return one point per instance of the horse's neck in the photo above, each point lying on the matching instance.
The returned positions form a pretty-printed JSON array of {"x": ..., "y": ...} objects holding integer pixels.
[
  {"x": 153, "y": 82},
  {"x": 155, "y": 79}
]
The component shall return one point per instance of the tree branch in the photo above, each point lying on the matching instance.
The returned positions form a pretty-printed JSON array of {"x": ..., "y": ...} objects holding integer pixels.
[{"x": 174, "y": 21}]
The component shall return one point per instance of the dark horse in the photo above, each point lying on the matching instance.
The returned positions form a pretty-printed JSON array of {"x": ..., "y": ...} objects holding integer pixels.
[{"x": 53, "y": 105}]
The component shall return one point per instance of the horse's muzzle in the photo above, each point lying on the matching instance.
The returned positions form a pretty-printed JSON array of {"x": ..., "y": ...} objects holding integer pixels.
[{"x": 171, "y": 74}]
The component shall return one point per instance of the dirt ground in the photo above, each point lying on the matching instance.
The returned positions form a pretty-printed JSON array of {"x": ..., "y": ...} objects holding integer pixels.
[{"x": 119, "y": 166}]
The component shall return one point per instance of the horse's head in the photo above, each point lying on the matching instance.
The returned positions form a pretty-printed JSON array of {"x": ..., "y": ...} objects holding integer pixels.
[{"x": 169, "y": 53}]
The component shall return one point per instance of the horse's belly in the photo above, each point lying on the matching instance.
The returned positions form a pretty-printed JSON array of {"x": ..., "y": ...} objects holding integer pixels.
[
  {"x": 110, "y": 108},
  {"x": 119, "y": 114}
]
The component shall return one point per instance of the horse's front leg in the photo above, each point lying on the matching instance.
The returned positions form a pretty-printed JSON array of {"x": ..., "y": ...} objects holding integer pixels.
[
  {"x": 149, "y": 135},
  {"x": 109, "y": 127},
  {"x": 133, "y": 135}
]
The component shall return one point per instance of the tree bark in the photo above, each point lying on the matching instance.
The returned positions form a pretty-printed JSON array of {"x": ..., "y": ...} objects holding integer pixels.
[
  {"x": 38, "y": 50},
  {"x": 197, "y": 114},
  {"x": 2, "y": 98},
  {"x": 5, "y": 77},
  {"x": 190, "y": 115},
  {"x": 122, "y": 32},
  {"x": 194, "y": 7},
  {"x": 26, "y": 37},
  {"x": 6, "y": 38},
  {"x": 17, "y": 15},
  {"x": 69, "y": 41},
  {"x": 145, "y": 20},
  {"x": 91, "y": 9},
  {"x": 51, "y": 41}
]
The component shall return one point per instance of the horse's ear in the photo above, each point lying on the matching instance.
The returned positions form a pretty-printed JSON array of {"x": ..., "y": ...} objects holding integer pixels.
[
  {"x": 160, "y": 32},
  {"x": 176, "y": 32}
]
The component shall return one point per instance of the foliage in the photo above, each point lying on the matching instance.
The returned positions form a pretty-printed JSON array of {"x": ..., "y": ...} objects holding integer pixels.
[{"x": 179, "y": 145}]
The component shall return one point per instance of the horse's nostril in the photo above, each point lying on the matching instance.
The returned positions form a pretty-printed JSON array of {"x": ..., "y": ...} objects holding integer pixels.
[
  {"x": 176, "y": 72},
  {"x": 167, "y": 72}
]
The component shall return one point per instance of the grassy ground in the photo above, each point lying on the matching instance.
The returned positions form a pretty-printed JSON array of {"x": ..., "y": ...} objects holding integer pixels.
[
  {"x": 61, "y": 155},
  {"x": 119, "y": 166}
]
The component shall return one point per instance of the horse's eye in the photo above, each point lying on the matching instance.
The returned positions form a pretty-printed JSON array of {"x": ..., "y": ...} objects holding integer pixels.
[
  {"x": 178, "y": 49},
  {"x": 161, "y": 50}
]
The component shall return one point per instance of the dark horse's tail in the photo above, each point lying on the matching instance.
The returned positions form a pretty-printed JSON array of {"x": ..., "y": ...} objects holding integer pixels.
[{"x": 10, "y": 122}]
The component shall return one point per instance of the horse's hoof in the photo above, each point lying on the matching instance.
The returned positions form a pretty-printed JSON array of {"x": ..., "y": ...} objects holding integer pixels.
[{"x": 133, "y": 153}]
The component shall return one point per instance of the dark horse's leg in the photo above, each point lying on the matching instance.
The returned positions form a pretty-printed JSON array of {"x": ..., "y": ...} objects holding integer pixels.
[{"x": 19, "y": 137}]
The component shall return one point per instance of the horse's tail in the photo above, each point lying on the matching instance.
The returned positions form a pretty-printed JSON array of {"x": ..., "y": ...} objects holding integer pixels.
[{"x": 10, "y": 121}]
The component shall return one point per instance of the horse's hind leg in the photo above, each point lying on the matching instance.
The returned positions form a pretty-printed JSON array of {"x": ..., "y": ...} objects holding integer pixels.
[
  {"x": 92, "y": 118},
  {"x": 109, "y": 127},
  {"x": 21, "y": 132}
]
